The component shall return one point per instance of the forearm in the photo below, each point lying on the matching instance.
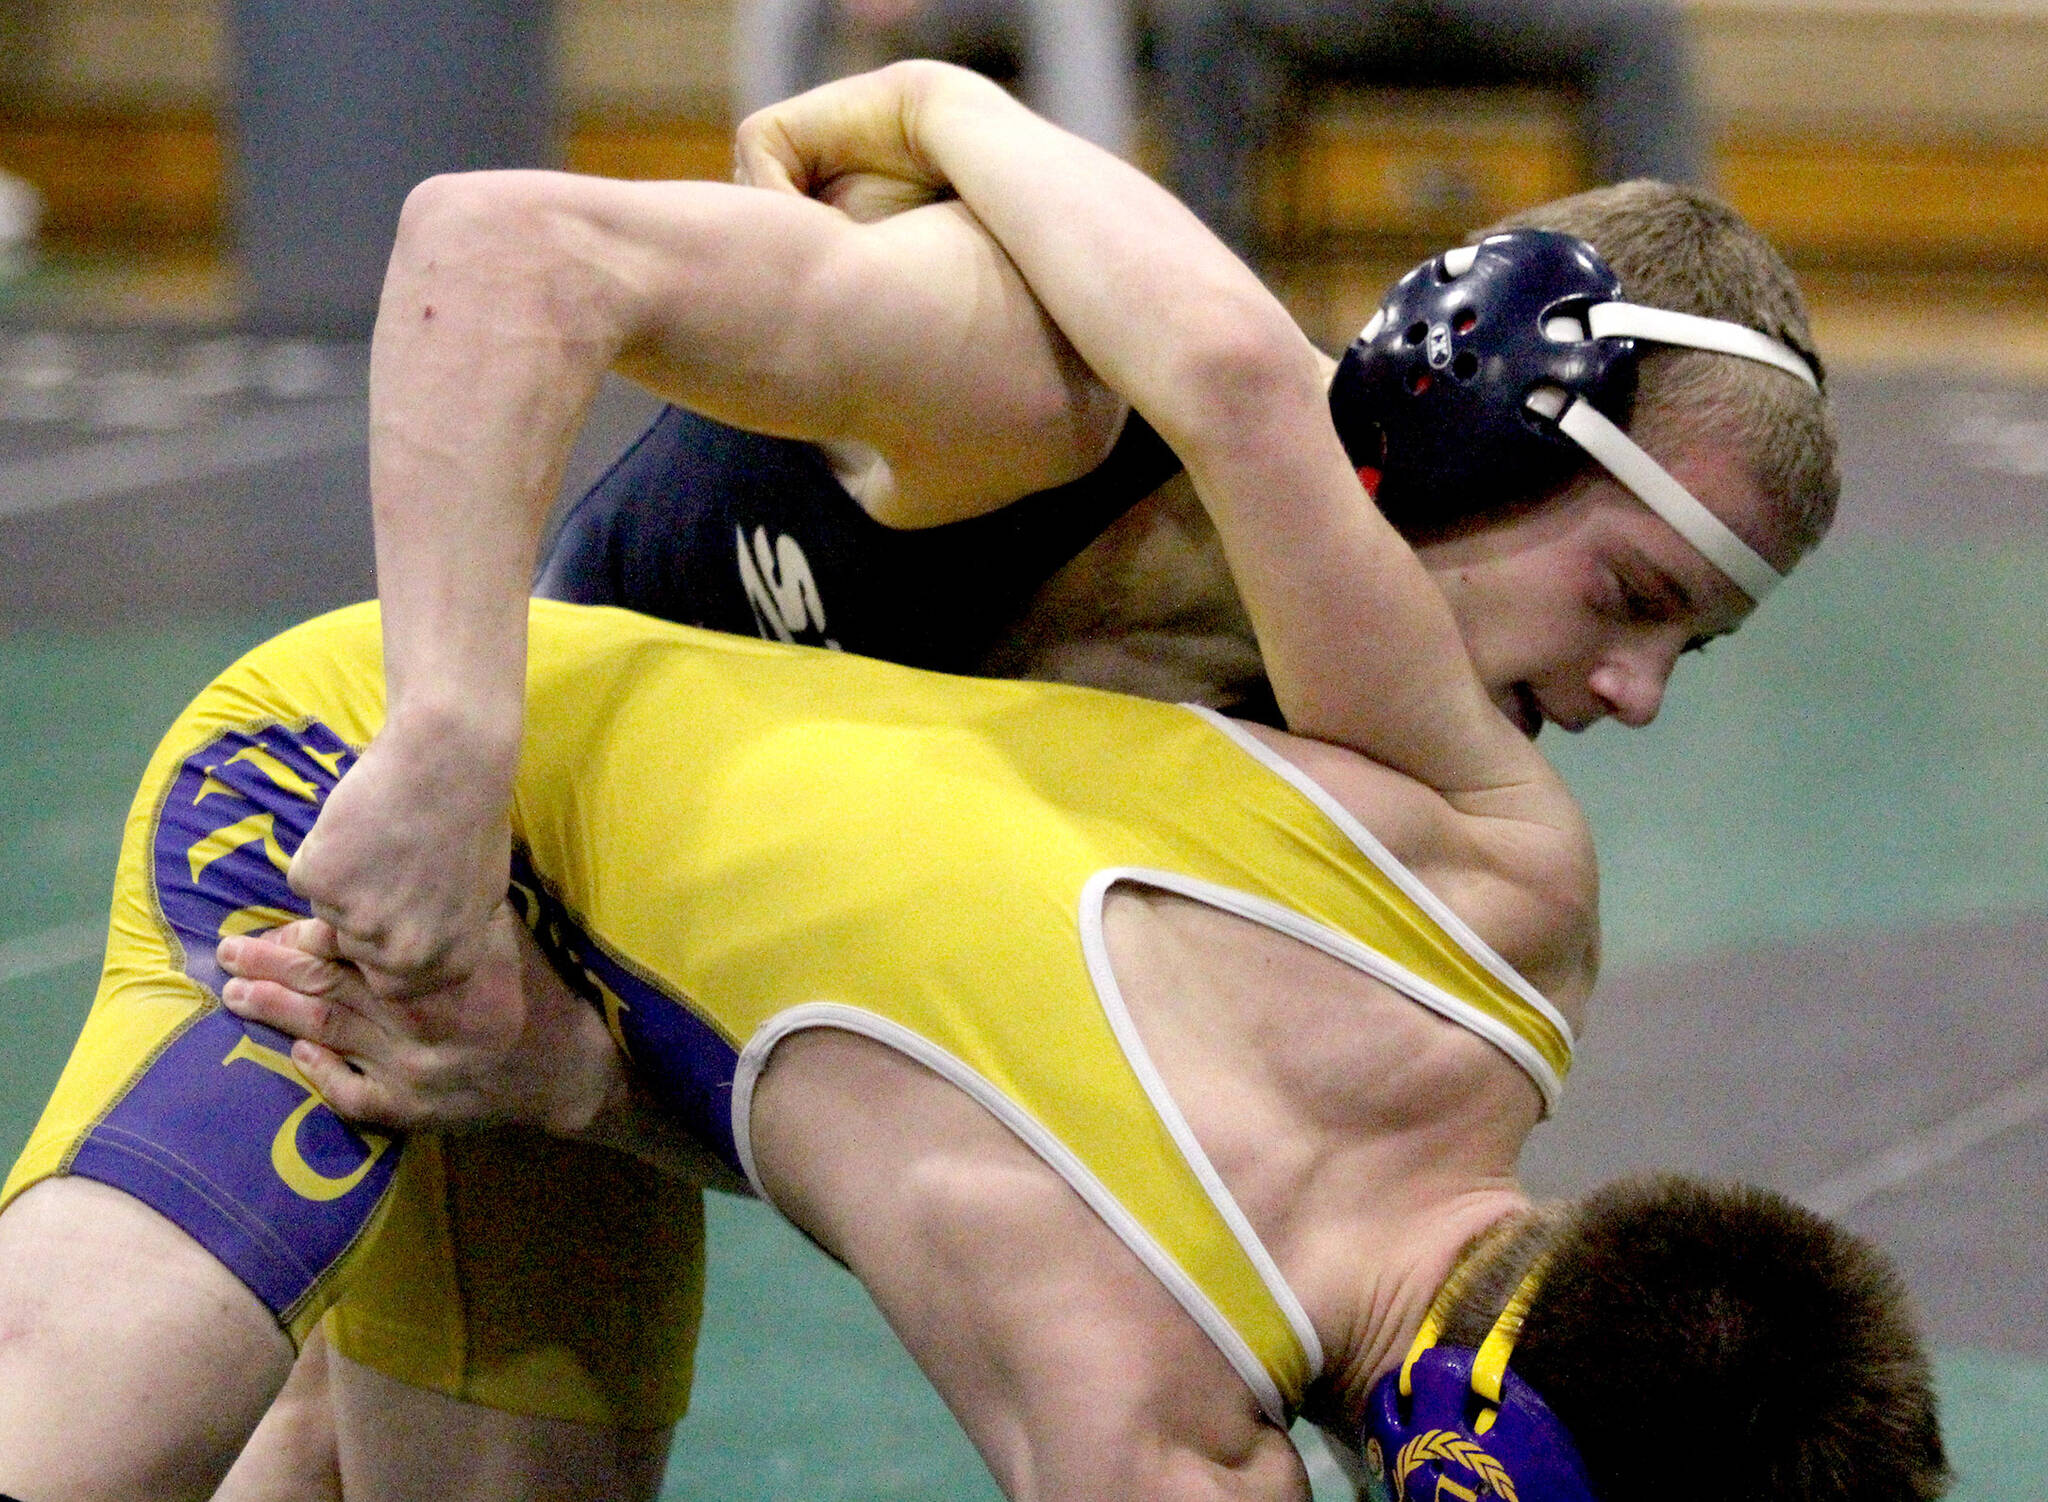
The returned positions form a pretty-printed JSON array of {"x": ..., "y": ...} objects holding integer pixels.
[
  {"x": 486, "y": 355},
  {"x": 1156, "y": 306},
  {"x": 489, "y": 344},
  {"x": 1183, "y": 330}
]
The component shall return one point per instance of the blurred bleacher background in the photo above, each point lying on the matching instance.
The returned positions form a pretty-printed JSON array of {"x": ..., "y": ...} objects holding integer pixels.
[{"x": 1889, "y": 146}]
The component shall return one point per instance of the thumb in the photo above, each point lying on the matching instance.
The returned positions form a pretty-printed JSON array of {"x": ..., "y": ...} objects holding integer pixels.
[{"x": 764, "y": 156}]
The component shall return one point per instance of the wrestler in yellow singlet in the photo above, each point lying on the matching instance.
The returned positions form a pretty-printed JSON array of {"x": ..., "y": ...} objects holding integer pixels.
[{"x": 721, "y": 842}]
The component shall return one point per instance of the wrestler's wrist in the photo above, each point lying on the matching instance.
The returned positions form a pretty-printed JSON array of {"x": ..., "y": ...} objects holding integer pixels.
[
  {"x": 478, "y": 732},
  {"x": 595, "y": 1087}
]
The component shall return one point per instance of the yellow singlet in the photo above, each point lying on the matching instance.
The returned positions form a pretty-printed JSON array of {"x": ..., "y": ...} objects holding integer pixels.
[{"x": 725, "y": 841}]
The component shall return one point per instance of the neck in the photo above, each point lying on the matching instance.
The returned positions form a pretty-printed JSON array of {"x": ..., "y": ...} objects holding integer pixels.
[{"x": 1410, "y": 1276}]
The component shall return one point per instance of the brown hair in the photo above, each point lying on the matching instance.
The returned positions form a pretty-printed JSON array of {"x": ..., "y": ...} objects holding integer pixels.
[
  {"x": 1719, "y": 1342},
  {"x": 1677, "y": 248}
]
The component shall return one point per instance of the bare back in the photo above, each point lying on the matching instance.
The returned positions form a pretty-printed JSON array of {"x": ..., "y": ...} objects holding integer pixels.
[{"x": 1364, "y": 1136}]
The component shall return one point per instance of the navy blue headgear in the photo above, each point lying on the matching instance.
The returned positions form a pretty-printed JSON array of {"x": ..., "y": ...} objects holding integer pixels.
[
  {"x": 1433, "y": 394},
  {"x": 1491, "y": 372},
  {"x": 1454, "y": 1422}
]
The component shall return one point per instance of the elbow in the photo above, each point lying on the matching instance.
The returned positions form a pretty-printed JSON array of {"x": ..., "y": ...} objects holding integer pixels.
[
  {"x": 1246, "y": 366},
  {"x": 462, "y": 220},
  {"x": 505, "y": 247}
]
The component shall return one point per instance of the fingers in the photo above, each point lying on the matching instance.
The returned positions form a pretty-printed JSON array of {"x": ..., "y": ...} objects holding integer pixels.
[
  {"x": 445, "y": 1059},
  {"x": 395, "y": 959},
  {"x": 852, "y": 126},
  {"x": 478, "y": 1052},
  {"x": 866, "y": 197},
  {"x": 327, "y": 1041},
  {"x": 394, "y": 969},
  {"x": 310, "y": 1017},
  {"x": 331, "y": 955},
  {"x": 406, "y": 857},
  {"x": 763, "y": 156},
  {"x": 350, "y": 1092},
  {"x": 289, "y": 980},
  {"x": 303, "y": 956},
  {"x": 314, "y": 936}
]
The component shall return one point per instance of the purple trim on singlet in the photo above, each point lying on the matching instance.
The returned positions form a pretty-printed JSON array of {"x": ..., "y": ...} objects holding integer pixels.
[
  {"x": 683, "y": 1061},
  {"x": 218, "y": 1132},
  {"x": 226, "y": 787},
  {"x": 204, "y": 1137}
]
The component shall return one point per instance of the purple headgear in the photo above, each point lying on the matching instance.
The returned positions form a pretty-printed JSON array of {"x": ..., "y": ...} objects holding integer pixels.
[{"x": 1452, "y": 1424}]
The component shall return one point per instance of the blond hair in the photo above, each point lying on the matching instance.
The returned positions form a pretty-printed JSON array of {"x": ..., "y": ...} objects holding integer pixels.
[{"x": 1677, "y": 248}]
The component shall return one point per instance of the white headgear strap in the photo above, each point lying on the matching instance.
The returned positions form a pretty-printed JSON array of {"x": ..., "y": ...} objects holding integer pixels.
[
  {"x": 1628, "y": 320},
  {"x": 1625, "y": 459},
  {"x": 1653, "y": 484}
]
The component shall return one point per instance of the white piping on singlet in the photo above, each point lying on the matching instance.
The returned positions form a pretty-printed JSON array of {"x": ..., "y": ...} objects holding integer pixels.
[
  {"x": 1510, "y": 1042},
  {"x": 1068, "y": 1165},
  {"x": 1034, "y": 1135},
  {"x": 1095, "y": 947}
]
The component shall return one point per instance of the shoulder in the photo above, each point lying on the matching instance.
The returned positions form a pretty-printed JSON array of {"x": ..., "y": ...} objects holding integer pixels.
[
  {"x": 1542, "y": 891},
  {"x": 1147, "y": 608},
  {"x": 1515, "y": 863}
]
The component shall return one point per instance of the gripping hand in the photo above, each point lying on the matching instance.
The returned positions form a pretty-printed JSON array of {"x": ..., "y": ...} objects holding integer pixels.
[
  {"x": 851, "y": 143},
  {"x": 409, "y": 856},
  {"x": 507, "y": 1044}
]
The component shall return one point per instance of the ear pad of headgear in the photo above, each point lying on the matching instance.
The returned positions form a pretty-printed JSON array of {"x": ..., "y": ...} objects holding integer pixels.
[
  {"x": 1429, "y": 1444},
  {"x": 1433, "y": 393}
]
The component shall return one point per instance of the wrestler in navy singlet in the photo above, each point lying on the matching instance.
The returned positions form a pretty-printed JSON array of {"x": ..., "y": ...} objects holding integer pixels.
[{"x": 708, "y": 525}]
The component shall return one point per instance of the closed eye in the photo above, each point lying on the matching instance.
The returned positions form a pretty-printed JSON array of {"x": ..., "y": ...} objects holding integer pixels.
[{"x": 1646, "y": 607}]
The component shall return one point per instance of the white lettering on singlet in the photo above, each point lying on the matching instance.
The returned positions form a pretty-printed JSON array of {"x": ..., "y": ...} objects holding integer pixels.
[{"x": 780, "y": 587}]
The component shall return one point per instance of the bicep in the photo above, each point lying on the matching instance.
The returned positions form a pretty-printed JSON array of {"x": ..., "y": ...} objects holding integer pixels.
[
  {"x": 913, "y": 336},
  {"x": 1071, "y": 1369},
  {"x": 1070, "y": 1366}
]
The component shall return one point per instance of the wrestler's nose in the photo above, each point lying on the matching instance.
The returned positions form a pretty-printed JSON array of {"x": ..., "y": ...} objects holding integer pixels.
[{"x": 1629, "y": 682}]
